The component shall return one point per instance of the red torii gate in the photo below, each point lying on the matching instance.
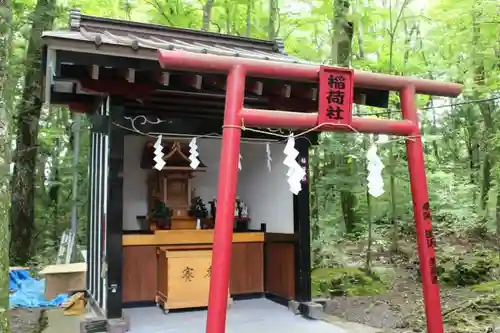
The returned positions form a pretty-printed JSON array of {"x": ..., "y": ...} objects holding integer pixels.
[{"x": 235, "y": 115}]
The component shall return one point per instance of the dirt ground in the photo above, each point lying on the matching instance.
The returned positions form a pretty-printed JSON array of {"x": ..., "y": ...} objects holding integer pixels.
[
  {"x": 389, "y": 310},
  {"x": 398, "y": 310},
  {"x": 401, "y": 308},
  {"x": 43, "y": 321},
  {"x": 59, "y": 323},
  {"x": 27, "y": 320}
]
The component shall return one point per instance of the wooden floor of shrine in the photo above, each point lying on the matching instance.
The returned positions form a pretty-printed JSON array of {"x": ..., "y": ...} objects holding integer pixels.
[{"x": 247, "y": 316}]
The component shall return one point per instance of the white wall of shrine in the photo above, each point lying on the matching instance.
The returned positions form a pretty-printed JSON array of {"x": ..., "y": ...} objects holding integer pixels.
[{"x": 265, "y": 192}]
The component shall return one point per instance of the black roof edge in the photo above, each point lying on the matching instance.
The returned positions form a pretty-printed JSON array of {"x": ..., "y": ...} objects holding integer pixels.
[{"x": 76, "y": 18}]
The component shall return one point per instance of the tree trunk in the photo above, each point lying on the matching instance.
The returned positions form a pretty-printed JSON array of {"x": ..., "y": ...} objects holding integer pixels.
[
  {"x": 22, "y": 214},
  {"x": 497, "y": 217},
  {"x": 348, "y": 203},
  {"x": 340, "y": 54},
  {"x": 368, "y": 259},
  {"x": 227, "y": 6},
  {"x": 485, "y": 108},
  {"x": 53, "y": 192},
  {"x": 273, "y": 19},
  {"x": 342, "y": 35},
  {"x": 5, "y": 39},
  {"x": 249, "y": 18},
  {"x": 473, "y": 152},
  {"x": 393, "y": 26},
  {"x": 315, "y": 176},
  {"x": 497, "y": 211},
  {"x": 207, "y": 13}
]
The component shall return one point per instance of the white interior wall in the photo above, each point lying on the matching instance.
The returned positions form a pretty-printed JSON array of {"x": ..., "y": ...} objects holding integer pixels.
[{"x": 265, "y": 193}]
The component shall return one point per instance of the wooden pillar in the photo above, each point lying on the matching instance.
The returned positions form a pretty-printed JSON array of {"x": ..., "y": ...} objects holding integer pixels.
[
  {"x": 98, "y": 167},
  {"x": 301, "y": 217},
  {"x": 90, "y": 278},
  {"x": 114, "y": 214}
]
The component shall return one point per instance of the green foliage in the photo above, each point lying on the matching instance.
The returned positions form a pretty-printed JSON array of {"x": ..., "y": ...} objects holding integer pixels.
[
  {"x": 470, "y": 268},
  {"x": 345, "y": 282},
  {"x": 198, "y": 208},
  {"x": 160, "y": 210},
  {"x": 487, "y": 287}
]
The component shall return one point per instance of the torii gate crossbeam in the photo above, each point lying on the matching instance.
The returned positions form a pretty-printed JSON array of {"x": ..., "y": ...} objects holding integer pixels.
[{"x": 235, "y": 115}]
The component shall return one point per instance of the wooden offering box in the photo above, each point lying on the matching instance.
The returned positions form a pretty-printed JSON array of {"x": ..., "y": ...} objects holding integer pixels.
[{"x": 183, "y": 278}]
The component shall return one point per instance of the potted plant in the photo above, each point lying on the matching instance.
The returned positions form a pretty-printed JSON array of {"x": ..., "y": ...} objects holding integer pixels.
[
  {"x": 198, "y": 210},
  {"x": 161, "y": 214}
]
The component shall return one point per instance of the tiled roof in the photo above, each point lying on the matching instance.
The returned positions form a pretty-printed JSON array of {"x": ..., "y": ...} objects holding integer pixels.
[{"x": 103, "y": 31}]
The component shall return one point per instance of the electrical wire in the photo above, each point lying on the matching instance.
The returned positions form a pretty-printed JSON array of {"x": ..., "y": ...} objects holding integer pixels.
[
  {"x": 270, "y": 132},
  {"x": 477, "y": 101}
]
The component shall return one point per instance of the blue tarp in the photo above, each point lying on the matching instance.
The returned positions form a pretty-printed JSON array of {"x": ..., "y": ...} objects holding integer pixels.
[{"x": 27, "y": 292}]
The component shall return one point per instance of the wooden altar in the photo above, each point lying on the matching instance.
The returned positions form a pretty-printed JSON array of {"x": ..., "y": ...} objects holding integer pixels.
[{"x": 251, "y": 250}]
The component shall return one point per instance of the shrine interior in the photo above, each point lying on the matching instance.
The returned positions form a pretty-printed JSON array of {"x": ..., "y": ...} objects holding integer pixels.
[
  {"x": 265, "y": 219},
  {"x": 262, "y": 188}
]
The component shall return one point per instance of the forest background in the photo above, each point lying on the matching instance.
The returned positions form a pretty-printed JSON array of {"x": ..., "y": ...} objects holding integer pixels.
[{"x": 438, "y": 39}]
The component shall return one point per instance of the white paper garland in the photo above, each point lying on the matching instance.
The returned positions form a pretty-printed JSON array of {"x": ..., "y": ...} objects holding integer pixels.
[
  {"x": 374, "y": 167},
  {"x": 158, "y": 154},
  {"x": 193, "y": 154},
  {"x": 295, "y": 172}
]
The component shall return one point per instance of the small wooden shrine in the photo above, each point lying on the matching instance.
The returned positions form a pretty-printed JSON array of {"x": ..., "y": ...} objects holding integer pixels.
[{"x": 170, "y": 194}]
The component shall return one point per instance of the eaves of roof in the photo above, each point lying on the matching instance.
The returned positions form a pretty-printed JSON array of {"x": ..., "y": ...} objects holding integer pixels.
[{"x": 142, "y": 38}]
